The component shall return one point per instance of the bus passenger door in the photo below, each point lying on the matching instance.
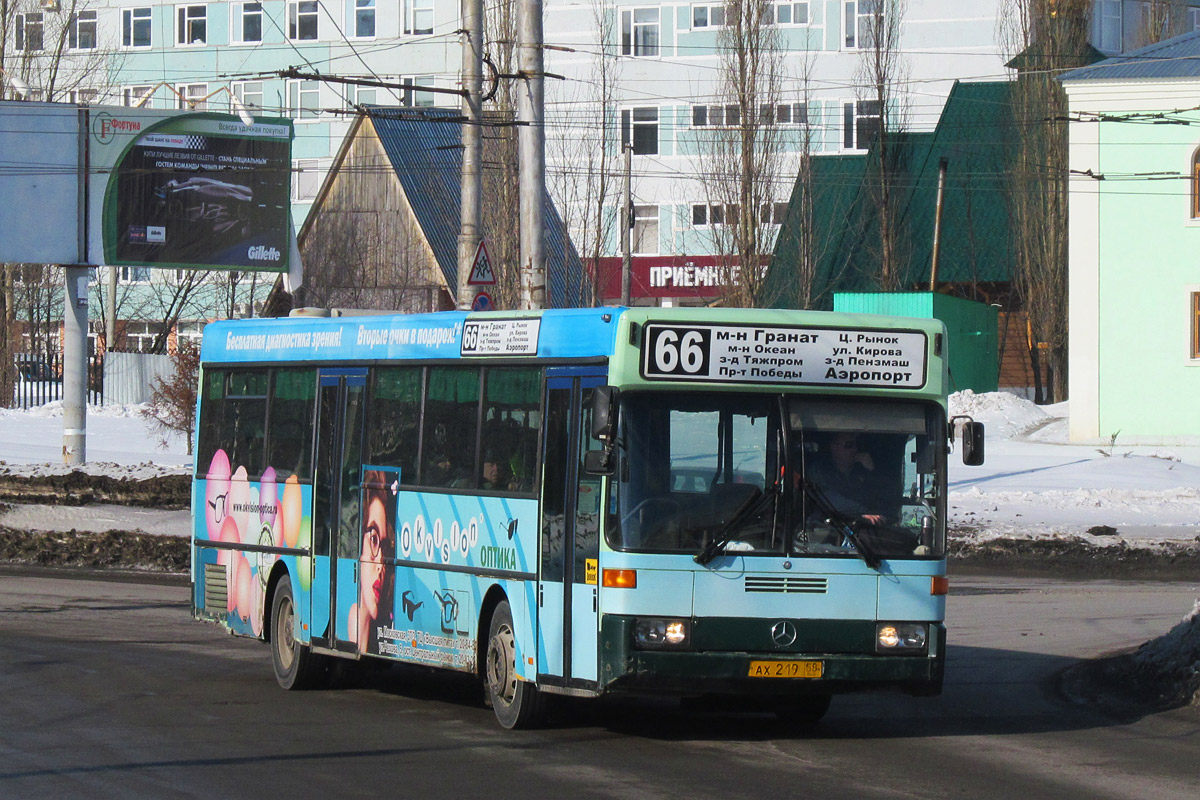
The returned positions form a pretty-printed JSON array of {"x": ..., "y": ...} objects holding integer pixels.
[
  {"x": 337, "y": 498},
  {"x": 568, "y": 589}
]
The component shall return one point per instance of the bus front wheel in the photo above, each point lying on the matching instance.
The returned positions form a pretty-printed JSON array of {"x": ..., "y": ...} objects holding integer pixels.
[
  {"x": 296, "y": 666},
  {"x": 517, "y": 703}
]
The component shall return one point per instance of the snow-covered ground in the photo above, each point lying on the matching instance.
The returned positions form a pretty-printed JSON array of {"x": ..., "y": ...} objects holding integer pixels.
[{"x": 1032, "y": 484}]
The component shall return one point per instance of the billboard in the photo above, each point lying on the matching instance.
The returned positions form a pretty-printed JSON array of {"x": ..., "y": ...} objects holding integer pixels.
[
  {"x": 107, "y": 185},
  {"x": 40, "y": 177},
  {"x": 200, "y": 191}
]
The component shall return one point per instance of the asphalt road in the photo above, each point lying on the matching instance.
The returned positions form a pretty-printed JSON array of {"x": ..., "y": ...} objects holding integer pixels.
[{"x": 111, "y": 690}]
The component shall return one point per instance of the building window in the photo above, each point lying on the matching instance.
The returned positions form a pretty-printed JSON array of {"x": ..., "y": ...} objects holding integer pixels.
[
  {"x": 417, "y": 99},
  {"x": 249, "y": 94},
  {"x": 83, "y": 96},
  {"x": 1196, "y": 184},
  {"x": 704, "y": 214},
  {"x": 1107, "y": 26},
  {"x": 247, "y": 24},
  {"x": 302, "y": 20},
  {"x": 418, "y": 17},
  {"x": 134, "y": 275},
  {"x": 140, "y": 336},
  {"x": 639, "y": 127},
  {"x": 362, "y": 96},
  {"x": 308, "y": 179},
  {"x": 791, "y": 114},
  {"x": 29, "y": 32},
  {"x": 708, "y": 16},
  {"x": 131, "y": 95},
  {"x": 191, "y": 25},
  {"x": 861, "y": 124},
  {"x": 644, "y": 236},
  {"x": 193, "y": 96},
  {"x": 772, "y": 213},
  {"x": 190, "y": 331},
  {"x": 1193, "y": 19},
  {"x": 82, "y": 33},
  {"x": 1194, "y": 314},
  {"x": 791, "y": 13},
  {"x": 639, "y": 32},
  {"x": 861, "y": 18},
  {"x": 304, "y": 100},
  {"x": 135, "y": 27},
  {"x": 364, "y": 18}
]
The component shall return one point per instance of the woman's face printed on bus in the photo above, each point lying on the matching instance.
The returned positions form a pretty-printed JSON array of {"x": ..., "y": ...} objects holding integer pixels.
[{"x": 370, "y": 572}]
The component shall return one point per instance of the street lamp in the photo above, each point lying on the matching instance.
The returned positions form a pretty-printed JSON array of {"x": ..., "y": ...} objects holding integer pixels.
[{"x": 235, "y": 102}]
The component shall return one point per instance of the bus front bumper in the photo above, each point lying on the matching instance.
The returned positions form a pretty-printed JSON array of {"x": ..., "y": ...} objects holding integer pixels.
[{"x": 624, "y": 668}]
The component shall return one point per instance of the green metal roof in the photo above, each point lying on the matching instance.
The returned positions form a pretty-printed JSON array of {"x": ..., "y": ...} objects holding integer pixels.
[{"x": 973, "y": 135}]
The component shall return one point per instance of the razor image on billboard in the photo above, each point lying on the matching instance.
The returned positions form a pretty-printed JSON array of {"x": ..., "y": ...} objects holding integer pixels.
[{"x": 203, "y": 192}]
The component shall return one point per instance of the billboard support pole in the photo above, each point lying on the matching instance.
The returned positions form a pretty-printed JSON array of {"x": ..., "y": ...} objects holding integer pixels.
[{"x": 75, "y": 321}]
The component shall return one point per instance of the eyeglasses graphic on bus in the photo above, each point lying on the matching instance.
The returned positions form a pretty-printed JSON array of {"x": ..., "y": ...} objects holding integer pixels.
[{"x": 218, "y": 506}]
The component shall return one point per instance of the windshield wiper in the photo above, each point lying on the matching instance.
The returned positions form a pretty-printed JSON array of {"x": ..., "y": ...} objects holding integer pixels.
[
  {"x": 840, "y": 522},
  {"x": 752, "y": 505}
]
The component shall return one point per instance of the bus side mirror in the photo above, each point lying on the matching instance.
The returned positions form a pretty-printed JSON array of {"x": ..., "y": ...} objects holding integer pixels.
[
  {"x": 972, "y": 438},
  {"x": 599, "y": 462},
  {"x": 604, "y": 412}
]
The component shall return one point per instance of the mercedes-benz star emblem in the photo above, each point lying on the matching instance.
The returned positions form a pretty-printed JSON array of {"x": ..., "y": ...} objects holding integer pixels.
[{"x": 783, "y": 634}]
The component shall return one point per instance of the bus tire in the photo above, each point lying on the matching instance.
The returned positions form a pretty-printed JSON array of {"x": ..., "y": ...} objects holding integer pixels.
[
  {"x": 516, "y": 703},
  {"x": 296, "y": 666},
  {"x": 802, "y": 709}
]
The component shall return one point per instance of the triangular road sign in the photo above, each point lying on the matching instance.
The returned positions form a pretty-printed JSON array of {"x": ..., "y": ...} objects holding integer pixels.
[{"x": 482, "y": 273}]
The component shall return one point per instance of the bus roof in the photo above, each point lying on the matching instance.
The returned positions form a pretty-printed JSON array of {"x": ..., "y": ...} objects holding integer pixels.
[{"x": 776, "y": 342}]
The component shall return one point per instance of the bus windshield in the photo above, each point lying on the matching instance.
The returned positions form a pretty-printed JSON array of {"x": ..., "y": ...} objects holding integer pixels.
[{"x": 779, "y": 474}]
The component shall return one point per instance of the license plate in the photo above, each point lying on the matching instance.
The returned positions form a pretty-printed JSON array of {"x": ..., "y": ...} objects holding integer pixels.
[{"x": 786, "y": 669}]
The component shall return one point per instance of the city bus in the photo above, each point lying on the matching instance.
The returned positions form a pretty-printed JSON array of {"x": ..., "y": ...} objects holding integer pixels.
[{"x": 734, "y": 503}]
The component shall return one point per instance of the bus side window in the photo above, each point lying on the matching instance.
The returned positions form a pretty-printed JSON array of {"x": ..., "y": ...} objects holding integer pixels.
[
  {"x": 212, "y": 412},
  {"x": 394, "y": 420},
  {"x": 290, "y": 438},
  {"x": 451, "y": 422},
  {"x": 244, "y": 428}
]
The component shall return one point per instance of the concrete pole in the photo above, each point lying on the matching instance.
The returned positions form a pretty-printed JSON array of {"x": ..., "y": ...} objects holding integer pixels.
[
  {"x": 471, "y": 225},
  {"x": 532, "y": 153},
  {"x": 75, "y": 315},
  {"x": 74, "y": 396},
  {"x": 627, "y": 227}
]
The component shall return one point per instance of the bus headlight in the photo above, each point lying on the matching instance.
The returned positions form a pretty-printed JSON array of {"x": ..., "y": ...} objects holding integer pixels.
[
  {"x": 901, "y": 638},
  {"x": 652, "y": 633}
]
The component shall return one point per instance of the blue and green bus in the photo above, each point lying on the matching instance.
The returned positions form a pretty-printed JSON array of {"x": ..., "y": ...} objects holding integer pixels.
[{"x": 746, "y": 503}]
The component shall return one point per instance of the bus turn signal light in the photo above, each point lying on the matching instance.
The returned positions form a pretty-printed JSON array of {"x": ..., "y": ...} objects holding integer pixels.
[
  {"x": 939, "y": 585},
  {"x": 620, "y": 578}
]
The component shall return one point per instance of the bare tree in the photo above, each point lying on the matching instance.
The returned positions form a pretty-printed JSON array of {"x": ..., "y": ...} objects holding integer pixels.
[
  {"x": 56, "y": 49},
  {"x": 743, "y": 178},
  {"x": 881, "y": 116},
  {"x": 803, "y": 221},
  {"x": 586, "y": 148},
  {"x": 500, "y": 181},
  {"x": 1043, "y": 45},
  {"x": 1160, "y": 19}
]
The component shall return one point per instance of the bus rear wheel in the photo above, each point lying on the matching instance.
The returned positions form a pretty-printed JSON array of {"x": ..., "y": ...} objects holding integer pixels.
[
  {"x": 296, "y": 666},
  {"x": 517, "y": 703}
]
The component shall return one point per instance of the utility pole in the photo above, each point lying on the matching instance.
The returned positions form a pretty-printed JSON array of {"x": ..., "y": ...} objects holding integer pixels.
[
  {"x": 470, "y": 231},
  {"x": 943, "y": 163},
  {"x": 75, "y": 318},
  {"x": 532, "y": 146},
  {"x": 627, "y": 227}
]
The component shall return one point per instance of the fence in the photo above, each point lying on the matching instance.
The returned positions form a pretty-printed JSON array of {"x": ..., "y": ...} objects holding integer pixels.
[{"x": 118, "y": 378}]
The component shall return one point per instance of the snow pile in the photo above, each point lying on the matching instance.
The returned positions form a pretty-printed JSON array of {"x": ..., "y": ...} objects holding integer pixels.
[
  {"x": 1171, "y": 663},
  {"x": 1003, "y": 415},
  {"x": 54, "y": 409}
]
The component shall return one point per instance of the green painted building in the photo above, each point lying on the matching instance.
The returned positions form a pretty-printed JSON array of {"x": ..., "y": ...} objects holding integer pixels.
[{"x": 1134, "y": 238}]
